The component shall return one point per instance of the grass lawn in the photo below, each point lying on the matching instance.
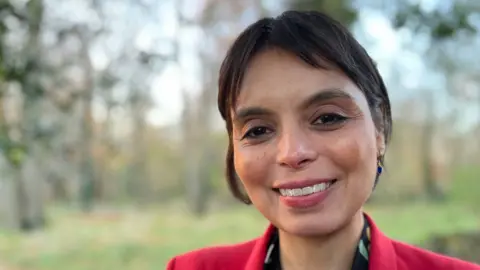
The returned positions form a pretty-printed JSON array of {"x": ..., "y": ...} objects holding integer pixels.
[{"x": 146, "y": 239}]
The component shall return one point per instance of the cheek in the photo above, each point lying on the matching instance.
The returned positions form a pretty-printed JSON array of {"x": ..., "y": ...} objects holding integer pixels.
[
  {"x": 251, "y": 165},
  {"x": 356, "y": 155}
]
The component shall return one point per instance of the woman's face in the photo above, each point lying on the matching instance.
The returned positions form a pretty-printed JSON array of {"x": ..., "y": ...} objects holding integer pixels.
[{"x": 305, "y": 145}]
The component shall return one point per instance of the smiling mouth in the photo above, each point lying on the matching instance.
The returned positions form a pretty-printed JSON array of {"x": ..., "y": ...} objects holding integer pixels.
[{"x": 305, "y": 191}]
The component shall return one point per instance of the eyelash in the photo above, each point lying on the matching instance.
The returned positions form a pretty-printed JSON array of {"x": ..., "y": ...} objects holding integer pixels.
[{"x": 337, "y": 119}]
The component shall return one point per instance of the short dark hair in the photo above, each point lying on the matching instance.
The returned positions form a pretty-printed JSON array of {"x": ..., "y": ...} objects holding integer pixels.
[{"x": 318, "y": 40}]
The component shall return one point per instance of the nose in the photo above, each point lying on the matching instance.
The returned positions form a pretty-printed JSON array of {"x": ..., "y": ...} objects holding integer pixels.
[{"x": 295, "y": 150}]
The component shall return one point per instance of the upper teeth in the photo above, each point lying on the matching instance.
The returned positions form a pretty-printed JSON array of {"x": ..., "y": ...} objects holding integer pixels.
[{"x": 306, "y": 190}]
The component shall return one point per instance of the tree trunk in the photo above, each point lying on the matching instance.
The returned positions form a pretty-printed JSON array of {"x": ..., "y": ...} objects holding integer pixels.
[
  {"x": 478, "y": 124},
  {"x": 191, "y": 160},
  {"x": 87, "y": 186},
  {"x": 28, "y": 174},
  {"x": 431, "y": 187},
  {"x": 20, "y": 205},
  {"x": 138, "y": 184},
  {"x": 33, "y": 174},
  {"x": 88, "y": 183},
  {"x": 103, "y": 163}
]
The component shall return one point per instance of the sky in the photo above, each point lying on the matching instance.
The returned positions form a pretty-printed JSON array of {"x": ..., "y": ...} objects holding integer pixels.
[
  {"x": 167, "y": 87},
  {"x": 384, "y": 44}
]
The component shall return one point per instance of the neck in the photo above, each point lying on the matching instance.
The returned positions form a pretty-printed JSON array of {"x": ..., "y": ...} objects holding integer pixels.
[{"x": 334, "y": 251}]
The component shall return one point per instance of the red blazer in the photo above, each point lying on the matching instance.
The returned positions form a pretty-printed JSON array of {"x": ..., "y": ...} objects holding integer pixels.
[{"x": 385, "y": 254}]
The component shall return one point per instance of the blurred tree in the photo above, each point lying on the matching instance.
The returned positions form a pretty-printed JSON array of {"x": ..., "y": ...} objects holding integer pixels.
[
  {"x": 438, "y": 24},
  {"x": 24, "y": 150},
  {"x": 430, "y": 178},
  {"x": 341, "y": 10},
  {"x": 88, "y": 183},
  {"x": 195, "y": 127},
  {"x": 447, "y": 28},
  {"x": 53, "y": 82}
]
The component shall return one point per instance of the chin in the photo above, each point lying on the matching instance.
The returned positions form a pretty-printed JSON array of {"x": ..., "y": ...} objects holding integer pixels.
[{"x": 318, "y": 224}]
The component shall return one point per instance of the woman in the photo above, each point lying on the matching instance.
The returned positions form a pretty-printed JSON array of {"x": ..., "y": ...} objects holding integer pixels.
[{"x": 308, "y": 117}]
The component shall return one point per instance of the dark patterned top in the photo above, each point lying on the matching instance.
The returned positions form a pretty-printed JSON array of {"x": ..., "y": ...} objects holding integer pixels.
[{"x": 360, "y": 261}]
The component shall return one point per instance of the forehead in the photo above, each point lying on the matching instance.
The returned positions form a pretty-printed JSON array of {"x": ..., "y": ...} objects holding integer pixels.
[{"x": 275, "y": 75}]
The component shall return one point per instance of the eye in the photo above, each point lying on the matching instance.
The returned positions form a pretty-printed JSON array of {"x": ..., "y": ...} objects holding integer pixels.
[
  {"x": 256, "y": 132},
  {"x": 330, "y": 119}
]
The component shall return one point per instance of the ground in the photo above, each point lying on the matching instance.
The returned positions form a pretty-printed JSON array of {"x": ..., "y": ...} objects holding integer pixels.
[{"x": 147, "y": 238}]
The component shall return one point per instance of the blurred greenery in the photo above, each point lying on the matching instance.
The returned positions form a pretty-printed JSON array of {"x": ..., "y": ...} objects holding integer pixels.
[
  {"x": 146, "y": 239},
  {"x": 81, "y": 124},
  {"x": 465, "y": 189}
]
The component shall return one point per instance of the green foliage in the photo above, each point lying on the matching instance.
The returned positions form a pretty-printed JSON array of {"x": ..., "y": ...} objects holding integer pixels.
[
  {"x": 33, "y": 92},
  {"x": 15, "y": 153},
  {"x": 439, "y": 25},
  {"x": 338, "y": 9}
]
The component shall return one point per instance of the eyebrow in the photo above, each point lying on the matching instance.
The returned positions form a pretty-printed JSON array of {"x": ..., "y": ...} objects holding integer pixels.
[
  {"x": 248, "y": 112},
  {"x": 325, "y": 95},
  {"x": 319, "y": 97}
]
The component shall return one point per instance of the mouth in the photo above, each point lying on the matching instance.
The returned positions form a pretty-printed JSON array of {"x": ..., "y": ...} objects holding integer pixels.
[{"x": 305, "y": 191}]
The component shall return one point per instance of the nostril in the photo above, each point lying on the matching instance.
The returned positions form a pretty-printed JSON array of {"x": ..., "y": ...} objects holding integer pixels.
[
  {"x": 301, "y": 164},
  {"x": 296, "y": 158}
]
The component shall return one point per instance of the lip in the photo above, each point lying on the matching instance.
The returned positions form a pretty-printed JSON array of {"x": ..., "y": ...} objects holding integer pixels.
[
  {"x": 300, "y": 183},
  {"x": 307, "y": 201}
]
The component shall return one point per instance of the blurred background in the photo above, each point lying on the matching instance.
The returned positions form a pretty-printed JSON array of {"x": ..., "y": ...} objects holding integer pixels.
[{"x": 112, "y": 150}]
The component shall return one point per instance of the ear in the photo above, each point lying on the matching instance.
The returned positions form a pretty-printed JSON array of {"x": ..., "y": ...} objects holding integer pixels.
[{"x": 380, "y": 138}]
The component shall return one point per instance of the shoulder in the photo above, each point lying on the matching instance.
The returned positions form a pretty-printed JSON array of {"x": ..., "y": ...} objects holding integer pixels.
[
  {"x": 216, "y": 257},
  {"x": 411, "y": 257}
]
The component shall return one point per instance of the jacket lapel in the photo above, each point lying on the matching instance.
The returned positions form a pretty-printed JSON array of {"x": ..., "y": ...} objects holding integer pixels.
[
  {"x": 382, "y": 253},
  {"x": 257, "y": 256}
]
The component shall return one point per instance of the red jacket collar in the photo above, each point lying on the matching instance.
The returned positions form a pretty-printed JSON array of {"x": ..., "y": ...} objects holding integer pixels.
[{"x": 382, "y": 253}]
